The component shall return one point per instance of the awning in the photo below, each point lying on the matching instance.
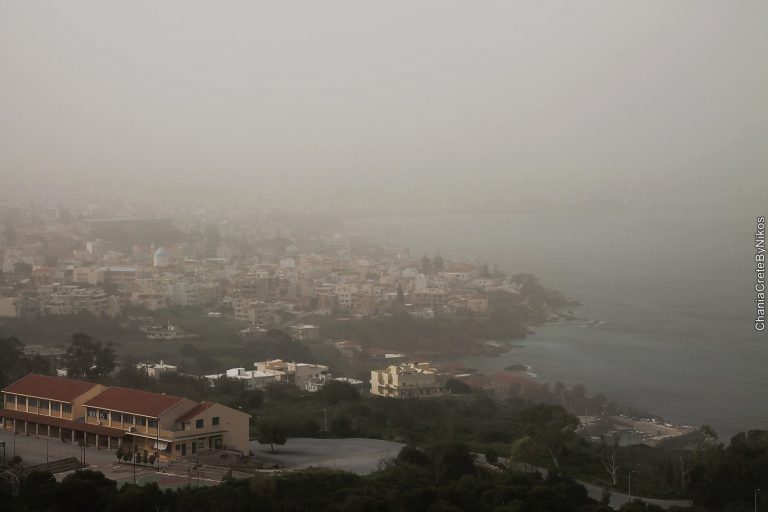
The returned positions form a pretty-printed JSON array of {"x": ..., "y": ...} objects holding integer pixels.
[{"x": 160, "y": 445}]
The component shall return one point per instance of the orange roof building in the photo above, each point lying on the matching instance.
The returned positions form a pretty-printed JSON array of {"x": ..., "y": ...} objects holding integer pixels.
[{"x": 108, "y": 417}]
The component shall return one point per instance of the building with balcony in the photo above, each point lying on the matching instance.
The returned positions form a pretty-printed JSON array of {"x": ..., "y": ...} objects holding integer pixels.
[
  {"x": 251, "y": 311},
  {"x": 108, "y": 417},
  {"x": 411, "y": 380},
  {"x": 298, "y": 374}
]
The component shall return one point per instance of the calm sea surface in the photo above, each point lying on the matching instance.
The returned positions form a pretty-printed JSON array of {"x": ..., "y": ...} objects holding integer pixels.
[{"x": 673, "y": 294}]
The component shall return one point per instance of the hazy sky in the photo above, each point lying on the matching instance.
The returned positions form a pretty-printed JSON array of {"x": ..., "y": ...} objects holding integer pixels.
[{"x": 387, "y": 101}]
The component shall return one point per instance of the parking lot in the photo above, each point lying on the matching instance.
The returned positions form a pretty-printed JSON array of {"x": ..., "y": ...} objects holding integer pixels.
[{"x": 356, "y": 455}]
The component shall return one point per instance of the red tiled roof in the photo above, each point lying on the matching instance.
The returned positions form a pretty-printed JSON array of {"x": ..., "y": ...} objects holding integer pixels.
[
  {"x": 52, "y": 388},
  {"x": 202, "y": 406},
  {"x": 61, "y": 423},
  {"x": 134, "y": 401}
]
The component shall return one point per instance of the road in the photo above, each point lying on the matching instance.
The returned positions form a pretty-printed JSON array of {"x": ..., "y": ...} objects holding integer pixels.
[{"x": 617, "y": 498}]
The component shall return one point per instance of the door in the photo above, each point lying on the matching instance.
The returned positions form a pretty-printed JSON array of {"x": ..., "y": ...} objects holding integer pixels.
[{"x": 183, "y": 449}]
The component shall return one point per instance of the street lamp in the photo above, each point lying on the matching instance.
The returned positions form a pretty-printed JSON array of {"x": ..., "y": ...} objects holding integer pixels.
[
  {"x": 756, "y": 491},
  {"x": 629, "y": 485},
  {"x": 325, "y": 420}
]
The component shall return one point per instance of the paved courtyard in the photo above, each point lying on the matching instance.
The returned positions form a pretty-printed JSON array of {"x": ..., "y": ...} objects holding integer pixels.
[
  {"x": 37, "y": 450},
  {"x": 356, "y": 455}
]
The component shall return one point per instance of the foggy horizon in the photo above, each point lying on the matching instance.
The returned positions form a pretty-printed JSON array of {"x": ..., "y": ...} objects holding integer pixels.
[{"x": 403, "y": 106}]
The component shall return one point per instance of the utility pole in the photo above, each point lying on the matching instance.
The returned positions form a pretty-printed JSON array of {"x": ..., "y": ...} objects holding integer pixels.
[
  {"x": 325, "y": 420},
  {"x": 756, "y": 491},
  {"x": 629, "y": 486}
]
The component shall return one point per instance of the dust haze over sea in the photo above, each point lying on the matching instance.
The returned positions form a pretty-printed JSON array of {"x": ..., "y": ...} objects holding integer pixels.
[{"x": 672, "y": 291}]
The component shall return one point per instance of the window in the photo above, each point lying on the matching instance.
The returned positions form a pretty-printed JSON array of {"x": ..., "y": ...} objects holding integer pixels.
[
  {"x": 10, "y": 399},
  {"x": 66, "y": 408},
  {"x": 33, "y": 402},
  {"x": 116, "y": 417},
  {"x": 103, "y": 415},
  {"x": 141, "y": 421},
  {"x": 91, "y": 413},
  {"x": 152, "y": 422},
  {"x": 215, "y": 420},
  {"x": 55, "y": 406},
  {"x": 199, "y": 423},
  {"x": 127, "y": 418},
  {"x": 44, "y": 404}
]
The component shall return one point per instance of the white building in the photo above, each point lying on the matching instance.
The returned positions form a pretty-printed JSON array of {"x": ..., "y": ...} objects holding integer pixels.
[
  {"x": 317, "y": 383},
  {"x": 154, "y": 370},
  {"x": 251, "y": 379}
]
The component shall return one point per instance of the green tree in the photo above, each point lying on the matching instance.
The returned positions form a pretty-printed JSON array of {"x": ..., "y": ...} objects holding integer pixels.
[
  {"x": 549, "y": 427},
  {"x": 450, "y": 460},
  {"x": 272, "y": 432},
  {"x": 413, "y": 456},
  {"x": 341, "y": 426},
  {"x": 338, "y": 391},
  {"x": 522, "y": 452},
  {"x": 85, "y": 491},
  {"x": 14, "y": 363},
  {"x": 458, "y": 387},
  {"x": 88, "y": 359},
  {"x": 38, "y": 491}
]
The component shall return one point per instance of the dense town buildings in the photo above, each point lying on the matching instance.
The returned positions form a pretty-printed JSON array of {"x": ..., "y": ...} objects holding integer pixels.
[{"x": 106, "y": 266}]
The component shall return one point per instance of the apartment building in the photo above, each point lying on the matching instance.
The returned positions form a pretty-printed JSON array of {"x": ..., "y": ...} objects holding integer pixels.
[
  {"x": 411, "y": 380},
  {"x": 257, "y": 286},
  {"x": 88, "y": 275},
  {"x": 108, "y": 417},
  {"x": 298, "y": 374},
  {"x": 254, "y": 312}
]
